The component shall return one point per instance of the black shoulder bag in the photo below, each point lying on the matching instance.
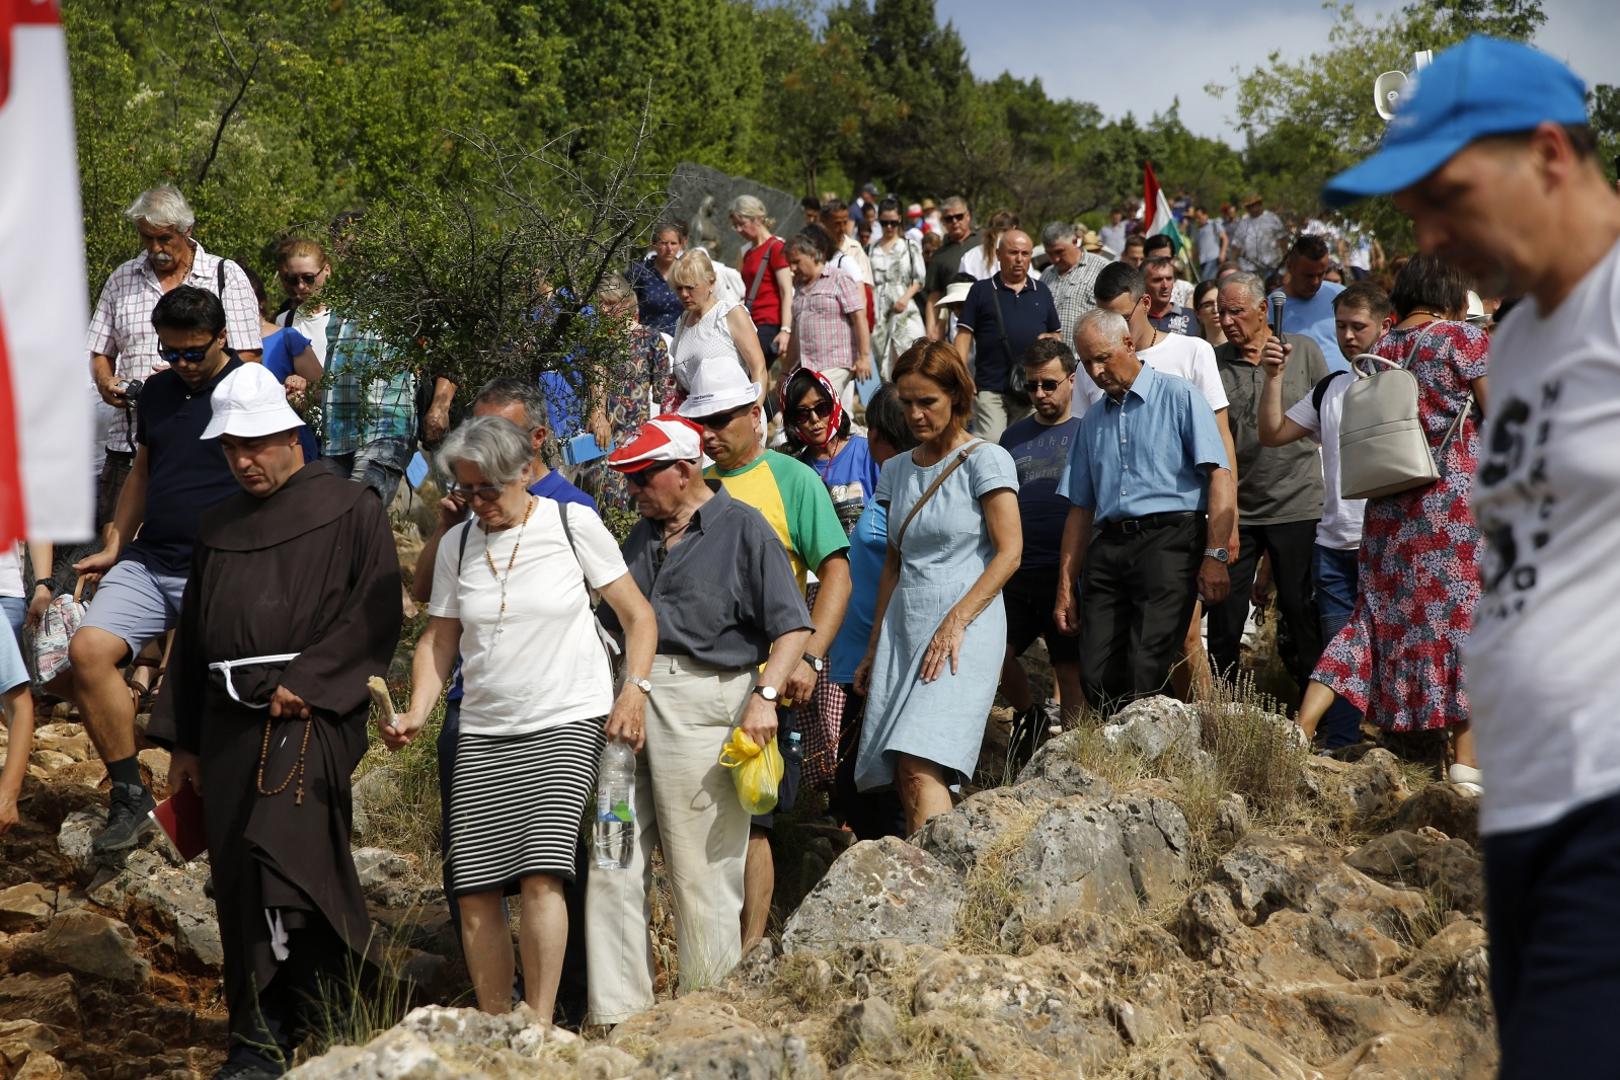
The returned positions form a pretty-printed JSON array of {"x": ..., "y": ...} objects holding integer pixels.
[{"x": 1016, "y": 389}]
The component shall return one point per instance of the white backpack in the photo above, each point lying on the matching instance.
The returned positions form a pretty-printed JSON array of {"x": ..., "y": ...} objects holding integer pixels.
[{"x": 1383, "y": 446}]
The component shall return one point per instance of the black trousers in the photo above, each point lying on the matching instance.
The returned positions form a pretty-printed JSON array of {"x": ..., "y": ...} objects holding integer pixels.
[
  {"x": 1291, "y": 547},
  {"x": 266, "y": 1030},
  {"x": 1136, "y": 598},
  {"x": 1555, "y": 944}
]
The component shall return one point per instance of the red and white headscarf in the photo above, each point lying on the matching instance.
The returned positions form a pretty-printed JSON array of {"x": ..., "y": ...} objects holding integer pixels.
[{"x": 835, "y": 419}]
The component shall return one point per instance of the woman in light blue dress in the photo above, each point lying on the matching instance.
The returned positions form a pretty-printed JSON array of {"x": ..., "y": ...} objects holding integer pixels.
[{"x": 940, "y": 632}]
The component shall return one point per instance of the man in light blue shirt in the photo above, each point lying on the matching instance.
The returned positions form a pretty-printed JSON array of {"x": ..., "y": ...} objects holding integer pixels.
[
  {"x": 1147, "y": 480},
  {"x": 1308, "y": 299}
]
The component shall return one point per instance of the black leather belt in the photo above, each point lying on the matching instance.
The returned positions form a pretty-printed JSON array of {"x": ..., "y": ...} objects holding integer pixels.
[{"x": 1132, "y": 526}]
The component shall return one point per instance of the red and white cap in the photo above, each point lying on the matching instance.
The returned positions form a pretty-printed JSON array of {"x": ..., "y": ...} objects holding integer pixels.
[{"x": 663, "y": 438}]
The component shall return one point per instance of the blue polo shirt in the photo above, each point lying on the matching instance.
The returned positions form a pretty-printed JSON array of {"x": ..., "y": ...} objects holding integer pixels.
[
  {"x": 1146, "y": 453},
  {"x": 184, "y": 476},
  {"x": 1314, "y": 319},
  {"x": 1028, "y": 313}
]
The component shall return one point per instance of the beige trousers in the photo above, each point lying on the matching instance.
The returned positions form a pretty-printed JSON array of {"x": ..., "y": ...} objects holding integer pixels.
[
  {"x": 686, "y": 803},
  {"x": 993, "y": 411}
]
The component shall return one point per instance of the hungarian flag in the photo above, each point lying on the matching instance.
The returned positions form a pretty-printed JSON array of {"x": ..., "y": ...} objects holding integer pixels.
[
  {"x": 46, "y": 413},
  {"x": 1157, "y": 218}
]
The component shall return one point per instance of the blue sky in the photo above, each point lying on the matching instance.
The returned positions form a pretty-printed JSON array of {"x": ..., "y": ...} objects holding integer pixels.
[{"x": 1098, "y": 52}]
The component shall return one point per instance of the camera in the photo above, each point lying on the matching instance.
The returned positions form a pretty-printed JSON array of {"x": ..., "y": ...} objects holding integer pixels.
[{"x": 131, "y": 389}]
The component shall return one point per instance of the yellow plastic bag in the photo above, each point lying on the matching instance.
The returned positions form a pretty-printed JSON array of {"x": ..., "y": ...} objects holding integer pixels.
[{"x": 757, "y": 773}]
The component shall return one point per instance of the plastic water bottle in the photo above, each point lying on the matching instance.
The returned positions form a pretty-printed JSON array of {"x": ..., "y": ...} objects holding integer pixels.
[{"x": 615, "y": 834}]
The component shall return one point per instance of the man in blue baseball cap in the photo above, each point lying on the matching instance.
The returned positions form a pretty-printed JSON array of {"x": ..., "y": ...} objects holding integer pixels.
[{"x": 1493, "y": 158}]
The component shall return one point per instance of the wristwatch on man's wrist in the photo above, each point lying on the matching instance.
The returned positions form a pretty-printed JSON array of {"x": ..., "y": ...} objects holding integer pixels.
[
  {"x": 768, "y": 693},
  {"x": 1220, "y": 555},
  {"x": 644, "y": 685},
  {"x": 817, "y": 664}
]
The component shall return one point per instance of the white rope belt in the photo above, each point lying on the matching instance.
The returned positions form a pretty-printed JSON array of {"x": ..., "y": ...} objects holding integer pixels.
[{"x": 225, "y": 667}]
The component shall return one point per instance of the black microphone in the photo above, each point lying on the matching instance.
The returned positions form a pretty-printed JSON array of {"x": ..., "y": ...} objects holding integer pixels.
[{"x": 1276, "y": 316}]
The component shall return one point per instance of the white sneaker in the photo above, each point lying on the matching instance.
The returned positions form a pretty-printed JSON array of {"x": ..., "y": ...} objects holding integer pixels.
[{"x": 1468, "y": 778}]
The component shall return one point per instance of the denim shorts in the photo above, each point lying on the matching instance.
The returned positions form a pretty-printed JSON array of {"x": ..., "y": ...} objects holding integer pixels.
[{"x": 379, "y": 465}]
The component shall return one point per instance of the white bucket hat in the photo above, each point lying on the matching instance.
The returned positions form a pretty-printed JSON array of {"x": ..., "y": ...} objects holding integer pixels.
[
  {"x": 250, "y": 403},
  {"x": 718, "y": 384}
]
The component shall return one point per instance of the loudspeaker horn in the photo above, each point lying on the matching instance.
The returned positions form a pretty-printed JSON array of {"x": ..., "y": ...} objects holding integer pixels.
[{"x": 1387, "y": 92}]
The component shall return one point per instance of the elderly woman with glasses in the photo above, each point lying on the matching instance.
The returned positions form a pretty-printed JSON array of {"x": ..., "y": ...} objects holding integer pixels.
[
  {"x": 898, "y": 273},
  {"x": 511, "y": 592},
  {"x": 731, "y": 627}
]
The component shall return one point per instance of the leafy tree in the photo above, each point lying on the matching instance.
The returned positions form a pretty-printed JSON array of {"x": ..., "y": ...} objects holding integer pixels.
[{"x": 1307, "y": 120}]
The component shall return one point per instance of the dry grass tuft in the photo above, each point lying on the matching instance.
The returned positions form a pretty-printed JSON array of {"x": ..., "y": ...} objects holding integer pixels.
[
  {"x": 401, "y": 793},
  {"x": 990, "y": 892}
]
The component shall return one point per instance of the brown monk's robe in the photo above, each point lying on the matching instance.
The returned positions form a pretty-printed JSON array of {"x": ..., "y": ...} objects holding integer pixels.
[{"x": 313, "y": 570}]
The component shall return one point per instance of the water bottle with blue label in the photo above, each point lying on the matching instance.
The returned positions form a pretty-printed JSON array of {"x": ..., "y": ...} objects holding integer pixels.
[{"x": 614, "y": 837}]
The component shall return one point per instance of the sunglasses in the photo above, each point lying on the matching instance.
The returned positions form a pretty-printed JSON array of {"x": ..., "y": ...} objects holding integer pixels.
[
  {"x": 642, "y": 477},
  {"x": 183, "y": 356},
  {"x": 803, "y": 413},
  {"x": 1045, "y": 386},
  {"x": 952, "y": 217},
  {"x": 889, "y": 223},
  {"x": 717, "y": 421},
  {"x": 294, "y": 279},
  {"x": 481, "y": 492}
]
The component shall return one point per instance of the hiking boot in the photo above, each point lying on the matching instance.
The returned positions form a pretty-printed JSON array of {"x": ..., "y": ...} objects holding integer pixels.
[{"x": 127, "y": 823}]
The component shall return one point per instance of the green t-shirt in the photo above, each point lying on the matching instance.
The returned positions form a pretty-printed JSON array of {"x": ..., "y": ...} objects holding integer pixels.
[{"x": 795, "y": 503}]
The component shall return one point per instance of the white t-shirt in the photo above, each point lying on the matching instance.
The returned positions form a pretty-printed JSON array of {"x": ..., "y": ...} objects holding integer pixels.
[
  {"x": 1340, "y": 527},
  {"x": 1542, "y": 663},
  {"x": 312, "y": 327},
  {"x": 1189, "y": 358},
  {"x": 728, "y": 284},
  {"x": 11, "y": 579},
  {"x": 548, "y": 667}
]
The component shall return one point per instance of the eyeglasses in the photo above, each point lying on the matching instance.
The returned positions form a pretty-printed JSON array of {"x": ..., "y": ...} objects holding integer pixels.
[
  {"x": 719, "y": 420},
  {"x": 1045, "y": 386},
  {"x": 889, "y": 223},
  {"x": 952, "y": 217},
  {"x": 293, "y": 279},
  {"x": 803, "y": 413},
  {"x": 184, "y": 356},
  {"x": 642, "y": 477},
  {"x": 481, "y": 492}
]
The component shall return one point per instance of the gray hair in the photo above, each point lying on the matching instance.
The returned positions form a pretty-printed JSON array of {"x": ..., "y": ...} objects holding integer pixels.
[
  {"x": 162, "y": 207},
  {"x": 804, "y": 244},
  {"x": 1059, "y": 231},
  {"x": 509, "y": 391},
  {"x": 955, "y": 202},
  {"x": 1104, "y": 323},
  {"x": 496, "y": 447},
  {"x": 613, "y": 289},
  {"x": 1252, "y": 284}
]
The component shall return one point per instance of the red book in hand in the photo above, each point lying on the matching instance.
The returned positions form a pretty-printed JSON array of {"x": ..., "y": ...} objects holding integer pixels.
[{"x": 180, "y": 816}]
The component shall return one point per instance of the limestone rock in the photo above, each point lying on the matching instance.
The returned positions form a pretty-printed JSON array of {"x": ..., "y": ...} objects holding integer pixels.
[
  {"x": 86, "y": 944},
  {"x": 49, "y": 999},
  {"x": 871, "y": 1028},
  {"x": 389, "y": 878},
  {"x": 1222, "y": 1048},
  {"x": 1054, "y": 772},
  {"x": 156, "y": 764},
  {"x": 167, "y": 903},
  {"x": 878, "y": 889},
  {"x": 28, "y": 906},
  {"x": 1072, "y": 859},
  {"x": 1156, "y": 841},
  {"x": 958, "y": 838},
  {"x": 735, "y": 1055},
  {"x": 21, "y": 1039},
  {"x": 1154, "y": 727},
  {"x": 438, "y": 1043},
  {"x": 1370, "y": 789},
  {"x": 1446, "y": 807}
]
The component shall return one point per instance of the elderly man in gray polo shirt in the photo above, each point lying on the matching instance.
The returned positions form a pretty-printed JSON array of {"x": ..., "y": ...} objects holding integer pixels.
[{"x": 726, "y": 601}]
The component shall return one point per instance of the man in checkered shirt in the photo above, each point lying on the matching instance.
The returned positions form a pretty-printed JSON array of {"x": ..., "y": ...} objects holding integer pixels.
[
  {"x": 1073, "y": 274},
  {"x": 122, "y": 343}
]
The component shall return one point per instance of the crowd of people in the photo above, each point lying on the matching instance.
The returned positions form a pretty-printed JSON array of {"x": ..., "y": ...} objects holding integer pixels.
[{"x": 870, "y": 471}]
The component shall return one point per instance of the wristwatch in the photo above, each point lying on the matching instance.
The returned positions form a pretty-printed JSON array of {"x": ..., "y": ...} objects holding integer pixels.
[
  {"x": 817, "y": 663},
  {"x": 50, "y": 584},
  {"x": 768, "y": 693},
  {"x": 644, "y": 685},
  {"x": 1220, "y": 555}
]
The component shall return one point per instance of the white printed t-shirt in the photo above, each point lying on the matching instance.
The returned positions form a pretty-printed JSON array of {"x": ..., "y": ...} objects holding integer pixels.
[
  {"x": 1340, "y": 527},
  {"x": 1186, "y": 357},
  {"x": 1542, "y": 664},
  {"x": 547, "y": 667}
]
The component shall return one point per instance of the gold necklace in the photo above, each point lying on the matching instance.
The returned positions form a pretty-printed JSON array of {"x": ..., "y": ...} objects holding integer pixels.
[{"x": 489, "y": 559}]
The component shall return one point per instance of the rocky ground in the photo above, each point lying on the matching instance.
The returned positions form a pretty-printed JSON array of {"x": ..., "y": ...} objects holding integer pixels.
[{"x": 1183, "y": 894}]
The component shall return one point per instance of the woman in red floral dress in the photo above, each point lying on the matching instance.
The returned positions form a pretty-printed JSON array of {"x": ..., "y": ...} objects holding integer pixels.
[{"x": 1398, "y": 660}]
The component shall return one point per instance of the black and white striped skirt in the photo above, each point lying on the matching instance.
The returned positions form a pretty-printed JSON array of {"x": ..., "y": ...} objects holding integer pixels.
[{"x": 515, "y": 804}]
